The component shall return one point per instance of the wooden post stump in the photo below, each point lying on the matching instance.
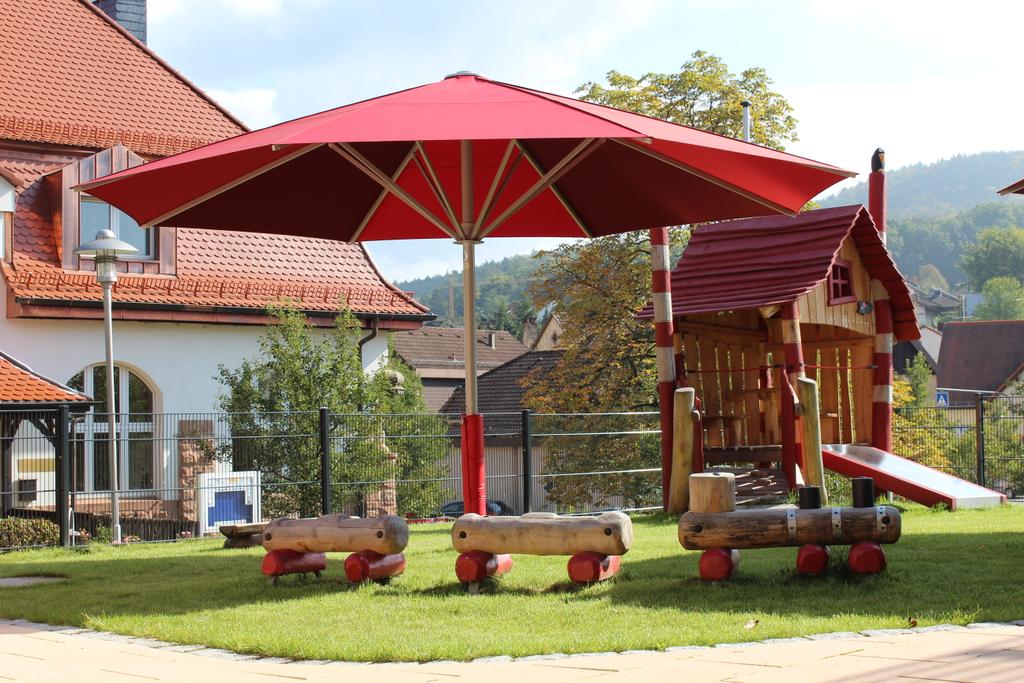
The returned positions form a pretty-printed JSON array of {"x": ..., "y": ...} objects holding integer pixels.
[
  {"x": 712, "y": 492},
  {"x": 814, "y": 469},
  {"x": 682, "y": 450}
]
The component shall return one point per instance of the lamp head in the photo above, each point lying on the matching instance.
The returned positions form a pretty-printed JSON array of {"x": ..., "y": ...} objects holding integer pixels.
[{"x": 105, "y": 249}]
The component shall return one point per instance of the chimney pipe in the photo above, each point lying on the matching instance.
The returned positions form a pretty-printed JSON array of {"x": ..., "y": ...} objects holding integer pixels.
[
  {"x": 876, "y": 191},
  {"x": 746, "y": 120},
  {"x": 492, "y": 339},
  {"x": 130, "y": 14}
]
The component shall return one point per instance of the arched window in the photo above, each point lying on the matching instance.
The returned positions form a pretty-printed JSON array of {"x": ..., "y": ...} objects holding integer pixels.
[{"x": 133, "y": 403}]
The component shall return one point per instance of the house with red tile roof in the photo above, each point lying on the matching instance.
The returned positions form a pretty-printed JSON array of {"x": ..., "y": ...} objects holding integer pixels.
[
  {"x": 83, "y": 97},
  {"x": 980, "y": 356}
]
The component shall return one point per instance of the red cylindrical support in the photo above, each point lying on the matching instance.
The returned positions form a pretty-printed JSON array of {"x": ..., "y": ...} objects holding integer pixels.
[
  {"x": 477, "y": 565},
  {"x": 866, "y": 557},
  {"x": 280, "y": 562},
  {"x": 367, "y": 565},
  {"x": 588, "y": 567},
  {"x": 474, "y": 474},
  {"x": 881, "y": 407},
  {"x": 661, "y": 288},
  {"x": 718, "y": 564},
  {"x": 812, "y": 559}
]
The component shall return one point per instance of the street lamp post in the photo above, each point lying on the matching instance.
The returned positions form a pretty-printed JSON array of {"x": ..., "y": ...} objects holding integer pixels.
[{"x": 105, "y": 249}]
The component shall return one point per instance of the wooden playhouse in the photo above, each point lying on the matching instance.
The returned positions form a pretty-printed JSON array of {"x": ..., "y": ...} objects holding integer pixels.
[{"x": 759, "y": 304}]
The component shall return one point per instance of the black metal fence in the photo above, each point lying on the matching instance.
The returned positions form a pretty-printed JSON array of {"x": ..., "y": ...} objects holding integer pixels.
[
  {"x": 182, "y": 475},
  {"x": 983, "y": 443}
]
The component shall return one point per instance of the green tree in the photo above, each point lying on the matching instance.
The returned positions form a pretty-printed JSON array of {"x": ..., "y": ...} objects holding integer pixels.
[
  {"x": 929, "y": 277},
  {"x": 703, "y": 94},
  {"x": 600, "y": 285},
  {"x": 918, "y": 377},
  {"x": 998, "y": 252},
  {"x": 272, "y": 401},
  {"x": 1002, "y": 298}
]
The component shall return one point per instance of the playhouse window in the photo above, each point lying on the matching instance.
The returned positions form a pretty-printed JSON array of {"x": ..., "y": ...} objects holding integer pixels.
[{"x": 840, "y": 283}]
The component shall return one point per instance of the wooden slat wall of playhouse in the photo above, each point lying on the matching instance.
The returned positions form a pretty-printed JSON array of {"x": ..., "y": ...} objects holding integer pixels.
[
  {"x": 723, "y": 369},
  {"x": 844, "y": 388}
]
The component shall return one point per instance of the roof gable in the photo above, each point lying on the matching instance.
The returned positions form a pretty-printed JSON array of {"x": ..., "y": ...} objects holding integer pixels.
[
  {"x": 72, "y": 76},
  {"x": 441, "y": 348},
  {"x": 20, "y": 384},
  {"x": 501, "y": 390},
  {"x": 756, "y": 262}
]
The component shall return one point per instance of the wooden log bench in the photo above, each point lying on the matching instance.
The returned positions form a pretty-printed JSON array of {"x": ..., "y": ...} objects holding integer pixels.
[
  {"x": 243, "y": 535},
  {"x": 715, "y": 526},
  {"x": 375, "y": 543},
  {"x": 486, "y": 544}
]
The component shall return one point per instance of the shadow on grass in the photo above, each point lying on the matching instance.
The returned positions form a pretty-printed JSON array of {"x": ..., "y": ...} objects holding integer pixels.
[{"x": 935, "y": 576}]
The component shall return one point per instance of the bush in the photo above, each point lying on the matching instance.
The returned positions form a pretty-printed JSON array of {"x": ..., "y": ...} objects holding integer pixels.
[{"x": 16, "y": 532}]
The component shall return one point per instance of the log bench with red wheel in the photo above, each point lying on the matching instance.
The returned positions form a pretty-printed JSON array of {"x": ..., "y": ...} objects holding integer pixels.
[
  {"x": 487, "y": 544},
  {"x": 715, "y": 526},
  {"x": 296, "y": 546}
]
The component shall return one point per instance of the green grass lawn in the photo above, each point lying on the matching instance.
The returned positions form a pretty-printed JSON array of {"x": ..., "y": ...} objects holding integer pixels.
[{"x": 948, "y": 568}]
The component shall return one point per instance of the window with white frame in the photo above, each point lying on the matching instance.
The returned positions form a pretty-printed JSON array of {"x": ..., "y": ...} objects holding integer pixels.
[
  {"x": 96, "y": 215},
  {"x": 133, "y": 430}
]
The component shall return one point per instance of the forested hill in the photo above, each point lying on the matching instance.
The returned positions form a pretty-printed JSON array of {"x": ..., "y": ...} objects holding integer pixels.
[
  {"x": 501, "y": 285},
  {"x": 944, "y": 187}
]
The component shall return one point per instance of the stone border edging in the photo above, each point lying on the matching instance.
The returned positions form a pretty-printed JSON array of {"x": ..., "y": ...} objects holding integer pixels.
[{"x": 220, "y": 653}]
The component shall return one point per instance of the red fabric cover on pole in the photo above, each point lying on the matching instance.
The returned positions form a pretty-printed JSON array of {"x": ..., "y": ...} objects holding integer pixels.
[
  {"x": 590, "y": 567},
  {"x": 279, "y": 562},
  {"x": 474, "y": 479},
  {"x": 367, "y": 565},
  {"x": 476, "y": 565}
]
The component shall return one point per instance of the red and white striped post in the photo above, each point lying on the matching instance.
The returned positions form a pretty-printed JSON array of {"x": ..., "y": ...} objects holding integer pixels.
[
  {"x": 881, "y": 406},
  {"x": 793, "y": 350},
  {"x": 661, "y": 286}
]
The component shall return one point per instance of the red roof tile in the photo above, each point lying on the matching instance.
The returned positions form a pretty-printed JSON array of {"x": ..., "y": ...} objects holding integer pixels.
[
  {"x": 72, "y": 76},
  {"x": 19, "y": 384},
  {"x": 755, "y": 262},
  {"x": 219, "y": 269}
]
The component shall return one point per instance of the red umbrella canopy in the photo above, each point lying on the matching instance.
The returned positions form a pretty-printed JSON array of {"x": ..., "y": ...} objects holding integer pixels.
[{"x": 402, "y": 166}]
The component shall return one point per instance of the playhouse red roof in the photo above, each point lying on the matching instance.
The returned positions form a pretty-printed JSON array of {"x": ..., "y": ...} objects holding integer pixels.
[
  {"x": 20, "y": 384},
  {"x": 757, "y": 262},
  {"x": 74, "y": 77}
]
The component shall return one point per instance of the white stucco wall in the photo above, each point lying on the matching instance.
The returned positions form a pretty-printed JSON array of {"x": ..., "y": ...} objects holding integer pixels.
[{"x": 177, "y": 360}]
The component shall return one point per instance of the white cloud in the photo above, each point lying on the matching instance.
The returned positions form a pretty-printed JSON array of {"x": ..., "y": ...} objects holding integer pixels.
[{"x": 254, "y": 106}]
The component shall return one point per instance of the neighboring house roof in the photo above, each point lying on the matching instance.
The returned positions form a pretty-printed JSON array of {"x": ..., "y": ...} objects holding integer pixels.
[
  {"x": 20, "y": 384},
  {"x": 979, "y": 356},
  {"x": 441, "y": 352},
  {"x": 550, "y": 335},
  {"x": 756, "y": 262},
  {"x": 935, "y": 299},
  {"x": 74, "y": 77},
  {"x": 500, "y": 391},
  {"x": 930, "y": 344}
]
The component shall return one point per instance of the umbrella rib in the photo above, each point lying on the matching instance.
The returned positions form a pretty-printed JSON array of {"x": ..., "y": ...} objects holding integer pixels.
[
  {"x": 433, "y": 182},
  {"x": 230, "y": 185},
  {"x": 566, "y": 164},
  {"x": 380, "y": 199},
  {"x": 565, "y": 202},
  {"x": 708, "y": 177},
  {"x": 349, "y": 153},
  {"x": 485, "y": 209}
]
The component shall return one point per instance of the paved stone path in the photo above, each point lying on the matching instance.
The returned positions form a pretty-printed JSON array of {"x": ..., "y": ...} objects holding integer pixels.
[{"x": 980, "y": 653}]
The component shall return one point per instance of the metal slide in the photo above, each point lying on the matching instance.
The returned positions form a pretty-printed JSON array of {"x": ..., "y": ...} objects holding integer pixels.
[{"x": 907, "y": 478}]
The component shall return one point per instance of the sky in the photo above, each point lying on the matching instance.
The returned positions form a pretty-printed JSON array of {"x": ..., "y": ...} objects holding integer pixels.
[{"x": 924, "y": 80}]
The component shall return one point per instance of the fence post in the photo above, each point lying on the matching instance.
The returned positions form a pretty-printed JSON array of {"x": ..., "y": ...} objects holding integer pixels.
[
  {"x": 979, "y": 436},
  {"x": 63, "y": 474},
  {"x": 325, "y": 461},
  {"x": 527, "y": 436}
]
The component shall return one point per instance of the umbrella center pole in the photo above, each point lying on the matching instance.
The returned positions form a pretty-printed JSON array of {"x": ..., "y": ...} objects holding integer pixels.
[{"x": 474, "y": 474}]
